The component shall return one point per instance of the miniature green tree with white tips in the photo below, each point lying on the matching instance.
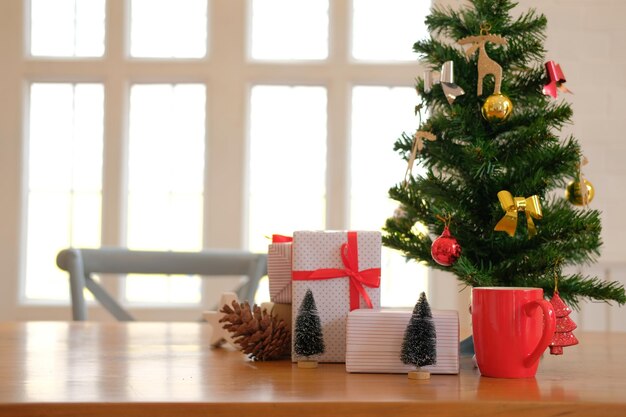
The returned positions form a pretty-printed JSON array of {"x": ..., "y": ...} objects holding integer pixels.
[
  {"x": 419, "y": 347},
  {"x": 308, "y": 337}
]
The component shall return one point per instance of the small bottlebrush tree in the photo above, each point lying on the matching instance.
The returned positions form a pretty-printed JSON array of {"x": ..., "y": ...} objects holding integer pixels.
[
  {"x": 308, "y": 337},
  {"x": 419, "y": 347}
]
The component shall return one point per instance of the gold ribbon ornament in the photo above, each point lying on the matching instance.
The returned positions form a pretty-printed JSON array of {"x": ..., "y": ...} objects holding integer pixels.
[
  {"x": 584, "y": 191},
  {"x": 511, "y": 205},
  {"x": 418, "y": 145}
]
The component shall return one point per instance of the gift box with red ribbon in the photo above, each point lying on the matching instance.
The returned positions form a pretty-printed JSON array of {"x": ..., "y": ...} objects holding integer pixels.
[
  {"x": 279, "y": 269},
  {"x": 342, "y": 269}
]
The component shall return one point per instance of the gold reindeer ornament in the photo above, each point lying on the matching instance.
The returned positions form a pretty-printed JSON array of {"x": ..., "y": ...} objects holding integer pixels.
[
  {"x": 486, "y": 65},
  {"x": 497, "y": 107}
]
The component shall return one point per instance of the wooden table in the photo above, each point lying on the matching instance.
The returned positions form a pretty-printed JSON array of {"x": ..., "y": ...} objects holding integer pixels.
[{"x": 160, "y": 369}]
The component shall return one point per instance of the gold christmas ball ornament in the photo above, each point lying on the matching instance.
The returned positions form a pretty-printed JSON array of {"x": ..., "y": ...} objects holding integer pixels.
[
  {"x": 497, "y": 108},
  {"x": 573, "y": 193}
]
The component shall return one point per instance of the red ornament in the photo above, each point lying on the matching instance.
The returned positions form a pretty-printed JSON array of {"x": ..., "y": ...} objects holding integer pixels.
[
  {"x": 557, "y": 80},
  {"x": 445, "y": 249},
  {"x": 563, "y": 335}
]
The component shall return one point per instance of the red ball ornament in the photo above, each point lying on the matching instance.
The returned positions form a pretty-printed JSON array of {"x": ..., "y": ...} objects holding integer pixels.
[{"x": 445, "y": 249}]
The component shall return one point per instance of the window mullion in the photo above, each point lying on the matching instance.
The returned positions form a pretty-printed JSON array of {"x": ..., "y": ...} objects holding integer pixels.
[
  {"x": 115, "y": 152},
  {"x": 226, "y": 145},
  {"x": 338, "y": 156},
  {"x": 339, "y": 27},
  {"x": 12, "y": 180},
  {"x": 226, "y": 153}
]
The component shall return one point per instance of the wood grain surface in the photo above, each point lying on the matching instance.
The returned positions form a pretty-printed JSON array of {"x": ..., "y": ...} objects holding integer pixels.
[{"x": 168, "y": 369}]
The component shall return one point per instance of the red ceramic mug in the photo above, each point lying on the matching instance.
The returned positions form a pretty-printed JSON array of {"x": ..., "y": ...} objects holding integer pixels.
[{"x": 511, "y": 327}]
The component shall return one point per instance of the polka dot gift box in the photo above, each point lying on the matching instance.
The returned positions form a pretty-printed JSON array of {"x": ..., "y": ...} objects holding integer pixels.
[{"x": 342, "y": 269}]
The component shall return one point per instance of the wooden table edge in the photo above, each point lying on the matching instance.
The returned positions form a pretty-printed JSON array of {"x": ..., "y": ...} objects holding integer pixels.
[{"x": 327, "y": 409}]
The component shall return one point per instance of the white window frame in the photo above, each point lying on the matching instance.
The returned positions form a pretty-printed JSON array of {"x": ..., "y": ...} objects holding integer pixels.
[{"x": 228, "y": 74}]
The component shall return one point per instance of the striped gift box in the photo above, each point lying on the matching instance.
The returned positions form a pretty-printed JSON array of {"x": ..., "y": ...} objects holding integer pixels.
[
  {"x": 374, "y": 341},
  {"x": 279, "y": 272}
]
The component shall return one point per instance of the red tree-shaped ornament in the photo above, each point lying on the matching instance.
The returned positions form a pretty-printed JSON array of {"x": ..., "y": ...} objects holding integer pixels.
[{"x": 563, "y": 335}]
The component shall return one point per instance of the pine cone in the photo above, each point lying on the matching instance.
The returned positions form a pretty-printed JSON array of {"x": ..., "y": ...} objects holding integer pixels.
[{"x": 260, "y": 335}]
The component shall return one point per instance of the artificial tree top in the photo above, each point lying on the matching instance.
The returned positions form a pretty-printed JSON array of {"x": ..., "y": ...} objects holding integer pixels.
[{"x": 473, "y": 159}]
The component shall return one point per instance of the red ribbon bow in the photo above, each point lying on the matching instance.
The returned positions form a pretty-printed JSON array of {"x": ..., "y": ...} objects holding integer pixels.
[
  {"x": 350, "y": 257},
  {"x": 557, "y": 80},
  {"x": 281, "y": 239}
]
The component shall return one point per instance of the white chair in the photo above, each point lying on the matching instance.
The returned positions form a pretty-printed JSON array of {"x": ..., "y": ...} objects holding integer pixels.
[{"x": 82, "y": 263}]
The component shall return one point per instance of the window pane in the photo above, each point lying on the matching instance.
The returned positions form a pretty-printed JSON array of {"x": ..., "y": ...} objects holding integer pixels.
[
  {"x": 168, "y": 28},
  {"x": 65, "y": 180},
  {"x": 379, "y": 116},
  {"x": 398, "y": 24},
  {"x": 289, "y": 29},
  {"x": 287, "y": 161},
  {"x": 166, "y": 171},
  {"x": 67, "y": 28}
]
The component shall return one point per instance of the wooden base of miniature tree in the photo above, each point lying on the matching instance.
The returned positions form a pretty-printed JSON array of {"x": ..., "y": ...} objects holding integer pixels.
[
  {"x": 307, "y": 364},
  {"x": 419, "y": 375}
]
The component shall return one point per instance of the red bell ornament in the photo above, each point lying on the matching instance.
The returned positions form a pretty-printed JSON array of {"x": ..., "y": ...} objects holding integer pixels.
[{"x": 445, "y": 249}]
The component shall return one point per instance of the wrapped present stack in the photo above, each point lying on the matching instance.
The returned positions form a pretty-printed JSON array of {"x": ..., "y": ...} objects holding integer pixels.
[{"x": 342, "y": 270}]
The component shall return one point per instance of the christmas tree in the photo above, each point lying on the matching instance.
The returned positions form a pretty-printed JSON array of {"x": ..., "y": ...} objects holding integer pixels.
[
  {"x": 419, "y": 347},
  {"x": 308, "y": 338},
  {"x": 493, "y": 156}
]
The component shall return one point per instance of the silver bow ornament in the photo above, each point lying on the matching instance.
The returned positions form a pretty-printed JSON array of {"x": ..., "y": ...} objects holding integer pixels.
[{"x": 446, "y": 79}]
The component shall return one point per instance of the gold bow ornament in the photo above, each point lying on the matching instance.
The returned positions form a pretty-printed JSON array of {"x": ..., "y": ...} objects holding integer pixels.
[{"x": 511, "y": 205}]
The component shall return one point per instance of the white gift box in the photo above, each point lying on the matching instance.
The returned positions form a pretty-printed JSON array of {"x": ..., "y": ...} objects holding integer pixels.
[
  {"x": 374, "y": 341},
  {"x": 318, "y": 253},
  {"x": 279, "y": 272}
]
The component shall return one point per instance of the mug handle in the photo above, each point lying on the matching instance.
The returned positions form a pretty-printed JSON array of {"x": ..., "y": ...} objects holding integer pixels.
[{"x": 549, "y": 326}]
